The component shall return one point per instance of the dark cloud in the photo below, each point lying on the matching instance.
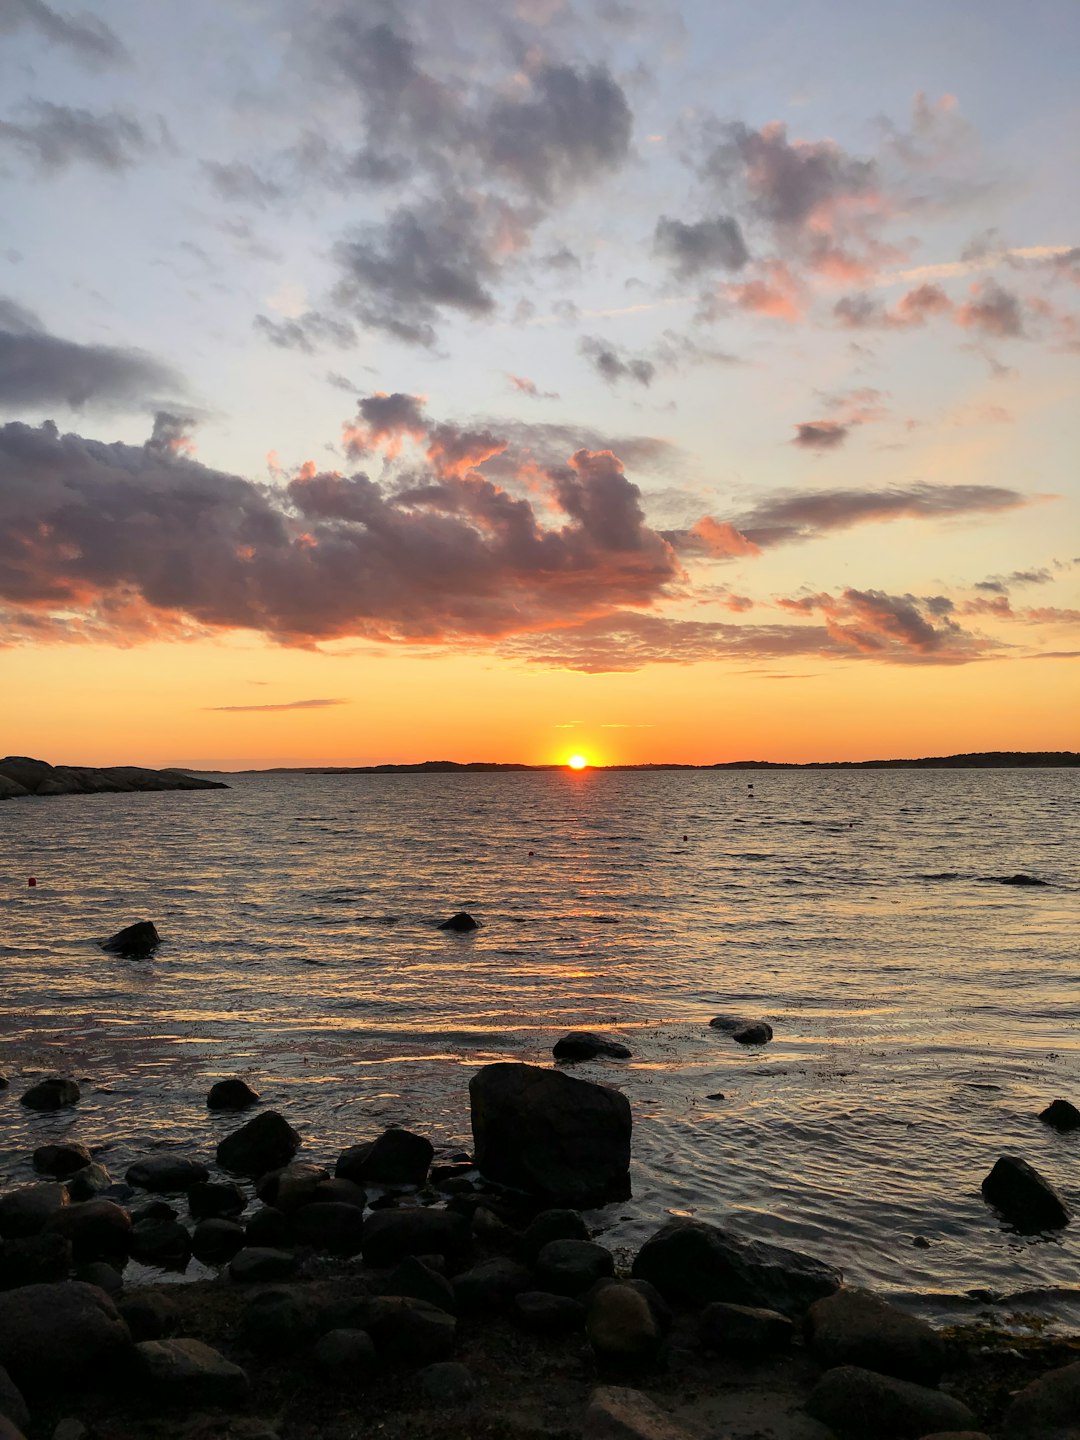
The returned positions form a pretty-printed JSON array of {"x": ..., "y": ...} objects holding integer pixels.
[
  {"x": 615, "y": 365},
  {"x": 893, "y": 627},
  {"x": 924, "y": 302},
  {"x": 39, "y": 369},
  {"x": 820, "y": 435},
  {"x": 308, "y": 332},
  {"x": 1001, "y": 584},
  {"x": 55, "y": 137},
  {"x": 87, "y": 37},
  {"x": 992, "y": 310},
  {"x": 282, "y": 705},
  {"x": 713, "y": 244},
  {"x": 171, "y": 434},
  {"x": 239, "y": 182}
]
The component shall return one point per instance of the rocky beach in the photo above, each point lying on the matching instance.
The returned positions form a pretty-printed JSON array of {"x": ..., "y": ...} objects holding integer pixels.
[{"x": 20, "y": 776}]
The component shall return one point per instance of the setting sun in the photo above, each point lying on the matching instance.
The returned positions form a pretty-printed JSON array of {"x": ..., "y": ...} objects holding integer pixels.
[{"x": 577, "y": 762}]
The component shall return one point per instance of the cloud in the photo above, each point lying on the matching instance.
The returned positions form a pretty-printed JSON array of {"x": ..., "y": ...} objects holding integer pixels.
[
  {"x": 718, "y": 539},
  {"x": 307, "y": 333},
  {"x": 39, "y": 369},
  {"x": 171, "y": 434},
  {"x": 239, "y": 182},
  {"x": 775, "y": 293},
  {"x": 924, "y": 302},
  {"x": 522, "y": 385},
  {"x": 715, "y": 243},
  {"x": 992, "y": 310},
  {"x": 55, "y": 137},
  {"x": 902, "y": 628},
  {"x": 282, "y": 705},
  {"x": 820, "y": 435},
  {"x": 87, "y": 37},
  {"x": 672, "y": 352},
  {"x": 614, "y": 365},
  {"x": 386, "y": 421},
  {"x": 1001, "y": 584}
]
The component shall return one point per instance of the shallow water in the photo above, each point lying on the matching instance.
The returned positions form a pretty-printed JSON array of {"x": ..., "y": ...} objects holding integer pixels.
[{"x": 924, "y": 1013}]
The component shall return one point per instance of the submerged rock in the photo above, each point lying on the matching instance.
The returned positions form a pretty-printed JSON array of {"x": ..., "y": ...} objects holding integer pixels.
[
  {"x": 53, "y": 1093},
  {"x": 1021, "y": 879},
  {"x": 233, "y": 1094},
  {"x": 857, "y": 1403},
  {"x": 60, "y": 1161},
  {"x": 586, "y": 1045},
  {"x": 461, "y": 923},
  {"x": 134, "y": 942},
  {"x": 1023, "y": 1197},
  {"x": 1061, "y": 1116},
  {"x": 266, "y": 1143},
  {"x": 166, "y": 1174},
  {"x": 854, "y": 1327},
  {"x": 746, "y": 1032}
]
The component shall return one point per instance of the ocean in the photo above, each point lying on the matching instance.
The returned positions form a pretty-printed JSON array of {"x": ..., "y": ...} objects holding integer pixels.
[{"x": 924, "y": 1012}]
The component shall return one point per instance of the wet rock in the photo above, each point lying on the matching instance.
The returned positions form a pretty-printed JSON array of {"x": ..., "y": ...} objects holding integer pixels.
[
  {"x": 12, "y": 1404},
  {"x": 134, "y": 942},
  {"x": 691, "y": 1261},
  {"x": 95, "y": 1228},
  {"x": 418, "y": 1281},
  {"x": 254, "y": 1264},
  {"x": 166, "y": 1174},
  {"x": 333, "y": 1226},
  {"x": 339, "y": 1192},
  {"x": 266, "y": 1143},
  {"x": 162, "y": 1242},
  {"x": 391, "y": 1235},
  {"x": 410, "y": 1331},
  {"x": 855, "y": 1403},
  {"x": 59, "y": 1332},
  {"x": 759, "y": 1032},
  {"x": 105, "y": 1276},
  {"x": 232, "y": 1094},
  {"x": 461, "y": 923},
  {"x": 268, "y": 1228},
  {"x": 345, "y": 1356},
  {"x": 744, "y": 1329},
  {"x": 60, "y": 1161},
  {"x": 209, "y": 1199},
  {"x": 90, "y": 1183},
  {"x": 34, "y": 1260},
  {"x": 1061, "y": 1115},
  {"x": 55, "y": 1092},
  {"x": 1046, "y": 1409},
  {"x": 217, "y": 1240},
  {"x": 570, "y": 1267},
  {"x": 491, "y": 1285},
  {"x": 615, "y": 1413},
  {"x": 291, "y": 1186},
  {"x": 546, "y": 1314},
  {"x": 552, "y": 1225},
  {"x": 147, "y": 1315},
  {"x": 854, "y": 1327},
  {"x": 1021, "y": 879},
  {"x": 28, "y": 1210},
  {"x": 189, "y": 1372},
  {"x": 621, "y": 1325},
  {"x": 397, "y": 1157},
  {"x": 447, "y": 1382},
  {"x": 586, "y": 1045},
  {"x": 1023, "y": 1197},
  {"x": 551, "y": 1134}
]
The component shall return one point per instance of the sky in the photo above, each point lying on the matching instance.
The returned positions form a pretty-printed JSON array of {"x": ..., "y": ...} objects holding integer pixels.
[{"x": 508, "y": 379}]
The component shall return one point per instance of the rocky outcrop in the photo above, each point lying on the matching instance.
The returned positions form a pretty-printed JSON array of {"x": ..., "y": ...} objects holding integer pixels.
[
  {"x": 1023, "y": 1197},
  {"x": 1061, "y": 1115},
  {"x": 551, "y": 1134},
  {"x": 134, "y": 942},
  {"x": 20, "y": 776}
]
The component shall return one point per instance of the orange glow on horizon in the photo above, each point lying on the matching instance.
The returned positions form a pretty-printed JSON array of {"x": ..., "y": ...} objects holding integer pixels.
[{"x": 577, "y": 762}]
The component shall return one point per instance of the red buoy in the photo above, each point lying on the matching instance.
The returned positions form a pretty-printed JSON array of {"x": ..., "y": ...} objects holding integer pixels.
[{"x": 31, "y": 881}]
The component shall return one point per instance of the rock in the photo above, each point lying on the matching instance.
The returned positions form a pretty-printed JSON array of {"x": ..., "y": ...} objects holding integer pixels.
[
  {"x": 661, "y": 1310},
  {"x": 155, "y": 1210},
  {"x": 89, "y": 1183},
  {"x": 449, "y": 1176},
  {"x": 95, "y": 1228},
  {"x": 1061, "y": 1115},
  {"x": 166, "y": 1174},
  {"x": 461, "y": 923},
  {"x": 963, "y": 1435},
  {"x": 147, "y": 1315},
  {"x": 105, "y": 1276},
  {"x": 334, "y": 1226},
  {"x": 1020, "y": 879},
  {"x": 756, "y": 1033},
  {"x": 208, "y": 1199},
  {"x": 691, "y": 1261},
  {"x": 390, "y": 1235},
  {"x": 1046, "y": 1409},
  {"x": 585, "y": 1045},
  {"x": 190, "y": 1373},
  {"x": 546, "y": 1314},
  {"x": 217, "y": 1240},
  {"x": 856, "y": 1403},
  {"x": 491, "y": 1285},
  {"x": 60, "y": 1161},
  {"x": 161, "y": 1242},
  {"x": 53, "y": 1093},
  {"x": 397, "y": 1157},
  {"x": 134, "y": 942},
  {"x": 570, "y": 1267},
  {"x": 8, "y": 1429},
  {"x": 617, "y": 1414},
  {"x": 12, "y": 1404},
  {"x": 70, "y": 1428},
  {"x": 345, "y": 1356},
  {"x": 26, "y": 1211},
  {"x": 232, "y": 1094},
  {"x": 256, "y": 1264},
  {"x": 552, "y": 1225},
  {"x": 410, "y": 1330},
  {"x": 418, "y": 1281},
  {"x": 266, "y": 1143},
  {"x": 268, "y": 1228},
  {"x": 34, "y": 1260},
  {"x": 1023, "y": 1197},
  {"x": 745, "y": 1328},
  {"x": 69, "y": 1331},
  {"x": 447, "y": 1382},
  {"x": 854, "y": 1327},
  {"x": 276, "y": 1322},
  {"x": 291, "y": 1186},
  {"x": 620, "y": 1324},
  {"x": 551, "y": 1134}
]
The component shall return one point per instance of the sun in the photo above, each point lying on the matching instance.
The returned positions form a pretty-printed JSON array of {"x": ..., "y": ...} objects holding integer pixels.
[{"x": 577, "y": 762}]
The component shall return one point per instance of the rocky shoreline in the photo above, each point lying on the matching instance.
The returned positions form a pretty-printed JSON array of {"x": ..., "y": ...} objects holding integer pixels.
[
  {"x": 20, "y": 776},
  {"x": 417, "y": 1294}
]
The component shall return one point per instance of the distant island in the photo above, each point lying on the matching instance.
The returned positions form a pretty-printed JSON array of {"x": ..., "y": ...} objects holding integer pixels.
[
  {"x": 20, "y": 775},
  {"x": 976, "y": 760}
]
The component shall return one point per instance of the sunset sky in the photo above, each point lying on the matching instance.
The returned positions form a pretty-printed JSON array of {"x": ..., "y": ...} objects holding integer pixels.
[{"x": 505, "y": 379}]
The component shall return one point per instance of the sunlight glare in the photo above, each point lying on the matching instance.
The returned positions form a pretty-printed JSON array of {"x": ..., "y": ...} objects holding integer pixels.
[{"x": 577, "y": 762}]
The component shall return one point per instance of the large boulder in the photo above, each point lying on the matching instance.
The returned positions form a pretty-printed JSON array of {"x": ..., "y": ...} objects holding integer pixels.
[
  {"x": 621, "y": 1325},
  {"x": 162, "y": 1241},
  {"x": 551, "y": 1134},
  {"x": 854, "y": 1327},
  {"x": 189, "y": 1373},
  {"x": 266, "y": 1143},
  {"x": 59, "y": 1333},
  {"x": 53, "y": 1093},
  {"x": 1047, "y": 1409},
  {"x": 857, "y": 1403},
  {"x": 28, "y": 1210},
  {"x": 94, "y": 1227},
  {"x": 1061, "y": 1115},
  {"x": 60, "y": 1161},
  {"x": 690, "y": 1261},
  {"x": 461, "y": 923},
  {"x": 291, "y": 1186},
  {"x": 34, "y": 1260},
  {"x": 391, "y": 1235},
  {"x": 1023, "y": 1197},
  {"x": 134, "y": 942},
  {"x": 490, "y": 1286},
  {"x": 208, "y": 1199},
  {"x": 397, "y": 1157},
  {"x": 570, "y": 1267},
  {"x": 587, "y": 1045},
  {"x": 166, "y": 1174}
]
